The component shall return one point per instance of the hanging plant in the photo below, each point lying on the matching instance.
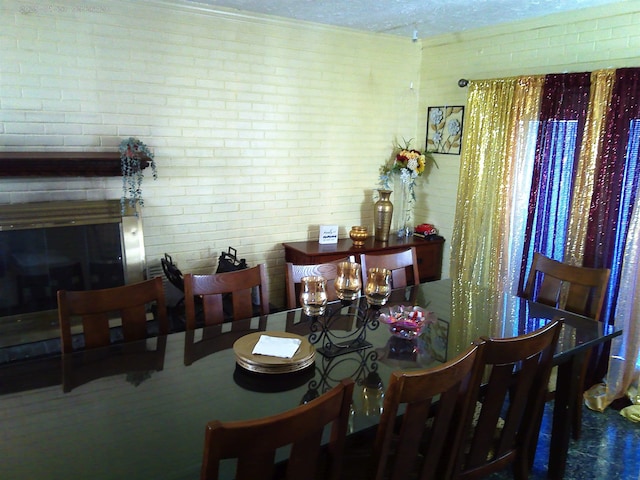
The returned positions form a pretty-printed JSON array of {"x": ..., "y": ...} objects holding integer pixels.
[{"x": 134, "y": 155}]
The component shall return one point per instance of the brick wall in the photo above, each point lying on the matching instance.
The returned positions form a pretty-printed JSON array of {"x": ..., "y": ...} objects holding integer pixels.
[{"x": 262, "y": 129}]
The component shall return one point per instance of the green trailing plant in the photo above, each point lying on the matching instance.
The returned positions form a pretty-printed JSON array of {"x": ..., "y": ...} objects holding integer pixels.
[{"x": 134, "y": 155}]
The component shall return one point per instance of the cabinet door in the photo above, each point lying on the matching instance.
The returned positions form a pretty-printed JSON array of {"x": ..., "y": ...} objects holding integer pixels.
[{"x": 429, "y": 261}]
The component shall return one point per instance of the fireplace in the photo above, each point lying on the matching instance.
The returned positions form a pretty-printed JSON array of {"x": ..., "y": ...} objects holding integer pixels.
[{"x": 71, "y": 245}]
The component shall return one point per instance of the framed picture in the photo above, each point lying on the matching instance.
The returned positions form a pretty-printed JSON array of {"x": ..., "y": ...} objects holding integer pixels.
[
  {"x": 436, "y": 338},
  {"x": 444, "y": 129}
]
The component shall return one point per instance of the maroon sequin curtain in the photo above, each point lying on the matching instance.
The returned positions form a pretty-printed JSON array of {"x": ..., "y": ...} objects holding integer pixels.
[
  {"x": 615, "y": 186},
  {"x": 565, "y": 98},
  {"x": 615, "y": 189}
]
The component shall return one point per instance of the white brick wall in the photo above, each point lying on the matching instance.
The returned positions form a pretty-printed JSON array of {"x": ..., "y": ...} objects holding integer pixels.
[{"x": 262, "y": 129}]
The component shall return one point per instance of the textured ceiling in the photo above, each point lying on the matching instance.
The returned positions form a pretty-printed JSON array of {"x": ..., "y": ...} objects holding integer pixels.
[{"x": 410, "y": 18}]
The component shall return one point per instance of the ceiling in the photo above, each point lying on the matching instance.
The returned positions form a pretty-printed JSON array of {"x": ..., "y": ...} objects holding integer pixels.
[{"x": 409, "y": 18}]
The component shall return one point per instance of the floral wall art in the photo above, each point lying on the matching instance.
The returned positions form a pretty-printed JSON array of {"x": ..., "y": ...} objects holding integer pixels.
[{"x": 444, "y": 129}]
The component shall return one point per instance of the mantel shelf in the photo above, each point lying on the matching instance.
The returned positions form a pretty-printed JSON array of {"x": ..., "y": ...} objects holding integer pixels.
[{"x": 61, "y": 164}]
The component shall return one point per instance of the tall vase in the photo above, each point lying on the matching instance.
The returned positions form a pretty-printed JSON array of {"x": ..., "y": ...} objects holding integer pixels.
[
  {"x": 383, "y": 212},
  {"x": 404, "y": 221}
]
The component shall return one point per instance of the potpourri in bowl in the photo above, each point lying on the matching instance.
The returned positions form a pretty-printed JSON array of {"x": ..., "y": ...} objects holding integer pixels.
[{"x": 406, "y": 321}]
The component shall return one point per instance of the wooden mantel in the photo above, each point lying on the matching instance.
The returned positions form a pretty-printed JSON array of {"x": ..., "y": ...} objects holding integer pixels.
[{"x": 60, "y": 164}]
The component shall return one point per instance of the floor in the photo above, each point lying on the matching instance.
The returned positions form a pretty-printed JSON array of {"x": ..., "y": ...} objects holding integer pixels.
[{"x": 609, "y": 449}]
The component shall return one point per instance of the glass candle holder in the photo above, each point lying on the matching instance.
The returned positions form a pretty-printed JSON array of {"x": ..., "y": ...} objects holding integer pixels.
[
  {"x": 313, "y": 295},
  {"x": 378, "y": 286},
  {"x": 347, "y": 282}
]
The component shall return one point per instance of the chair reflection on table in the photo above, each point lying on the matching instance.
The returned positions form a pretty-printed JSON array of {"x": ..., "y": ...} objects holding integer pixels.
[
  {"x": 215, "y": 338},
  {"x": 136, "y": 360},
  {"x": 301, "y": 324}
]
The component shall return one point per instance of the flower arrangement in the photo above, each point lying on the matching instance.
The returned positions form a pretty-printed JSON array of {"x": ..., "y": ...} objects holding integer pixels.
[
  {"x": 133, "y": 153},
  {"x": 408, "y": 164}
]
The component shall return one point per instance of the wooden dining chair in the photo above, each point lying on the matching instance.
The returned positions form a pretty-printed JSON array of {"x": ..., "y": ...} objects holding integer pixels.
[
  {"x": 211, "y": 289},
  {"x": 403, "y": 266},
  {"x": 254, "y": 442},
  {"x": 509, "y": 400},
  {"x": 131, "y": 304},
  {"x": 572, "y": 288},
  {"x": 576, "y": 289},
  {"x": 435, "y": 401},
  {"x": 293, "y": 275}
]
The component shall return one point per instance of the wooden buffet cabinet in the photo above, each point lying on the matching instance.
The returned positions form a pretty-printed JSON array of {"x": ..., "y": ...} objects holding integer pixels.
[{"x": 428, "y": 250}]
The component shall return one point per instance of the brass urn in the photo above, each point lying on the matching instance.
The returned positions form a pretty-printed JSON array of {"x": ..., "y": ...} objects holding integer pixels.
[{"x": 358, "y": 234}]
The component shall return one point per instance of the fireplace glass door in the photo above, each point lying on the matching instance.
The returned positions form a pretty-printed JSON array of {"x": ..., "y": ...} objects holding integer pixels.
[{"x": 36, "y": 263}]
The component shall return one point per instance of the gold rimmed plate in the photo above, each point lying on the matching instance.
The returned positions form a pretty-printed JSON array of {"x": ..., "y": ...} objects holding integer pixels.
[{"x": 304, "y": 356}]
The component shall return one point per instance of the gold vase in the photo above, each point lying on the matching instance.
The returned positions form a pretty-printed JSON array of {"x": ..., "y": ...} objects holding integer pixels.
[
  {"x": 383, "y": 212},
  {"x": 358, "y": 234}
]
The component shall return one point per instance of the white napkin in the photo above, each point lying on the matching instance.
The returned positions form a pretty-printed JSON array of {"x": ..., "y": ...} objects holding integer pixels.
[{"x": 276, "y": 346}]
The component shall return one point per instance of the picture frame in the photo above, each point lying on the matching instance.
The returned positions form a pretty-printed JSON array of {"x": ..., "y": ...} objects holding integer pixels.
[
  {"x": 444, "y": 129},
  {"x": 436, "y": 338}
]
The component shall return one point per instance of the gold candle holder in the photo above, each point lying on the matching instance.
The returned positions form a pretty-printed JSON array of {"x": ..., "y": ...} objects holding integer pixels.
[
  {"x": 378, "y": 287},
  {"x": 347, "y": 282},
  {"x": 313, "y": 295}
]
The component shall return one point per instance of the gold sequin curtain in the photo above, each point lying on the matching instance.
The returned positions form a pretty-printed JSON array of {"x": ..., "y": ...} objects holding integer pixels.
[{"x": 496, "y": 120}]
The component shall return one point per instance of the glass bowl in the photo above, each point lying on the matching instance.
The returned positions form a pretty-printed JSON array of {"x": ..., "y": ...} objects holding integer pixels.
[{"x": 406, "y": 321}]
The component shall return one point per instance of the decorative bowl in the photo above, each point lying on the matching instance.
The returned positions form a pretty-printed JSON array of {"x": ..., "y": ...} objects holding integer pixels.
[
  {"x": 359, "y": 235},
  {"x": 406, "y": 321}
]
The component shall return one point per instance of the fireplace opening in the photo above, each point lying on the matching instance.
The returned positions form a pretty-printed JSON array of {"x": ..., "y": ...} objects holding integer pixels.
[{"x": 71, "y": 245}]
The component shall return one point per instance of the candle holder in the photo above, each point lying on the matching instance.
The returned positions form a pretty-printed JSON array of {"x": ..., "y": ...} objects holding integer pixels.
[{"x": 330, "y": 333}]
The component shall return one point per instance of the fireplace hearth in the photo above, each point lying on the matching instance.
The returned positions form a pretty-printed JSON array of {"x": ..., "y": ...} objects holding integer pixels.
[{"x": 72, "y": 245}]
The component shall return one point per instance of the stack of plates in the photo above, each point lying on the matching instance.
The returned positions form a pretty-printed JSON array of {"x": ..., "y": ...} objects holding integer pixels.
[{"x": 304, "y": 356}]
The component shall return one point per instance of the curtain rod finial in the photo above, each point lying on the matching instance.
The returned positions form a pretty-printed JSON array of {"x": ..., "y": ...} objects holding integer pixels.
[{"x": 463, "y": 82}]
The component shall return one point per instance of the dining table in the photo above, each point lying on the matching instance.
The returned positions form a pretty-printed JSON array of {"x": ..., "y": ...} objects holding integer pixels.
[{"x": 138, "y": 410}]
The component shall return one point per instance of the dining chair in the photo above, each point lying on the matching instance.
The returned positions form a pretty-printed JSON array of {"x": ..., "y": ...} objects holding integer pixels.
[
  {"x": 293, "y": 275},
  {"x": 509, "y": 400},
  {"x": 572, "y": 288},
  {"x": 403, "y": 266},
  {"x": 212, "y": 287},
  {"x": 435, "y": 400},
  {"x": 576, "y": 289},
  {"x": 98, "y": 308},
  {"x": 253, "y": 443}
]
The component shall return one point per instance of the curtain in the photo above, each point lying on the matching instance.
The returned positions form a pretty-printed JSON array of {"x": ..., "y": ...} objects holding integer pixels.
[
  {"x": 612, "y": 240},
  {"x": 563, "y": 114},
  {"x": 564, "y": 150},
  {"x": 498, "y": 114}
]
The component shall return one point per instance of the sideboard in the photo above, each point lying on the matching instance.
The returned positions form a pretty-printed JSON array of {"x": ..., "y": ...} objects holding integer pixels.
[{"x": 429, "y": 252}]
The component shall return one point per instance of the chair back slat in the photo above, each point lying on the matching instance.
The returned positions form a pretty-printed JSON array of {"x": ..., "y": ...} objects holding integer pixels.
[
  {"x": 430, "y": 429},
  {"x": 403, "y": 266},
  {"x": 254, "y": 442},
  {"x": 576, "y": 289},
  {"x": 509, "y": 401},
  {"x": 128, "y": 303},
  {"x": 294, "y": 274},
  {"x": 211, "y": 289}
]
